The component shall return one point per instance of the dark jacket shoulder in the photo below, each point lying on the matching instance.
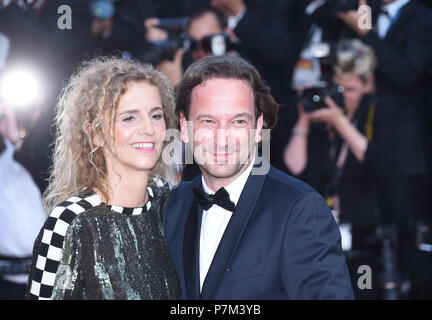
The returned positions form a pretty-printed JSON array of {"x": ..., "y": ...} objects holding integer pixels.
[{"x": 287, "y": 182}]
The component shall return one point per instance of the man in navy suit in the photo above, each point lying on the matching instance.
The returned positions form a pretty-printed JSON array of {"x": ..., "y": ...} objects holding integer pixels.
[{"x": 240, "y": 230}]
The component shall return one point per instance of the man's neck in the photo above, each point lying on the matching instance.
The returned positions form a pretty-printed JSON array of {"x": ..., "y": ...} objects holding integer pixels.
[{"x": 215, "y": 183}]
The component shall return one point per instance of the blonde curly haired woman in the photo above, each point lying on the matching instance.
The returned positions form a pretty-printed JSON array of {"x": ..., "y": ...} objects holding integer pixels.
[{"x": 103, "y": 238}]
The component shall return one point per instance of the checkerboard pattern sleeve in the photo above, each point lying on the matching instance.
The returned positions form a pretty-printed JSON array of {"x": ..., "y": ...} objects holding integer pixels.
[{"x": 49, "y": 245}]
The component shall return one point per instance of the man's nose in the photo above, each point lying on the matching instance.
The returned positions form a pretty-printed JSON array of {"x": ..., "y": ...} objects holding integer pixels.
[{"x": 222, "y": 137}]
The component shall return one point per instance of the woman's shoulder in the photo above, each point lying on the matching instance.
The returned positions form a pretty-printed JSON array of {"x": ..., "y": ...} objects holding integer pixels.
[
  {"x": 70, "y": 208},
  {"x": 160, "y": 191},
  {"x": 159, "y": 186},
  {"x": 64, "y": 214},
  {"x": 51, "y": 241}
]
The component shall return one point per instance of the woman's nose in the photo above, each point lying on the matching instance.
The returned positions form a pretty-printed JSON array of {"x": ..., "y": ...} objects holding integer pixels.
[{"x": 146, "y": 127}]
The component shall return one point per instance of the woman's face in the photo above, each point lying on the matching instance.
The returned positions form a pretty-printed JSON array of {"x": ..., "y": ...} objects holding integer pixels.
[
  {"x": 354, "y": 90},
  {"x": 139, "y": 130}
]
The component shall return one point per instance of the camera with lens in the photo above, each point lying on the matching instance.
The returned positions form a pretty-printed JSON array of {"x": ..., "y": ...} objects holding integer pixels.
[
  {"x": 313, "y": 98},
  {"x": 176, "y": 25},
  {"x": 177, "y": 38},
  {"x": 217, "y": 44}
]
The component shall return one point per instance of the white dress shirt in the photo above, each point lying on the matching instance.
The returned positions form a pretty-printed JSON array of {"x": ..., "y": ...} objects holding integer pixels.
[
  {"x": 233, "y": 21},
  {"x": 385, "y": 21},
  {"x": 215, "y": 220},
  {"x": 313, "y": 6}
]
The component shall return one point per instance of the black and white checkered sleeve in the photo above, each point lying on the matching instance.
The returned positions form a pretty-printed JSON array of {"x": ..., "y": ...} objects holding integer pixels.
[{"x": 49, "y": 247}]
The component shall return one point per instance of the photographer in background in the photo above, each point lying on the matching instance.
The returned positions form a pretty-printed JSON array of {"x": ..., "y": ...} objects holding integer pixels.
[
  {"x": 202, "y": 25},
  {"x": 98, "y": 27},
  {"x": 21, "y": 210},
  {"x": 402, "y": 41},
  {"x": 267, "y": 34},
  {"x": 345, "y": 151},
  {"x": 350, "y": 135}
]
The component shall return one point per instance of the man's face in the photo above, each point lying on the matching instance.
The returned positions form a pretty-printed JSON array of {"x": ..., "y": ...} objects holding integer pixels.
[
  {"x": 201, "y": 27},
  {"x": 221, "y": 127}
]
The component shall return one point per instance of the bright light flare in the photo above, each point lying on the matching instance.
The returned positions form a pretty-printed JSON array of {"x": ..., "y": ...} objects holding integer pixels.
[{"x": 20, "y": 87}]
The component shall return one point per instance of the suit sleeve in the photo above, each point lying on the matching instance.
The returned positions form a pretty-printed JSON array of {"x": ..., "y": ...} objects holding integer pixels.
[
  {"x": 55, "y": 250},
  {"x": 313, "y": 263},
  {"x": 403, "y": 68},
  {"x": 379, "y": 156},
  {"x": 267, "y": 36},
  {"x": 48, "y": 250}
]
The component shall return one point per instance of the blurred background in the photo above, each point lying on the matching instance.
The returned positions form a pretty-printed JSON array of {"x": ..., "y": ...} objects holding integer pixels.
[{"x": 367, "y": 149}]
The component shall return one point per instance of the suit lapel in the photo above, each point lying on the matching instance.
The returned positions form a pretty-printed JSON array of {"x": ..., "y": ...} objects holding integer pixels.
[
  {"x": 395, "y": 28},
  {"x": 232, "y": 234},
  {"x": 191, "y": 247}
]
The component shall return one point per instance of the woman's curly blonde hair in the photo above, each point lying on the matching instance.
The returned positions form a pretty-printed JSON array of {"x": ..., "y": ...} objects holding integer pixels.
[{"x": 93, "y": 91}]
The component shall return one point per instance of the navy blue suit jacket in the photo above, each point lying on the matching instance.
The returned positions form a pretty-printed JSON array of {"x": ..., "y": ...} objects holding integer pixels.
[{"x": 281, "y": 243}]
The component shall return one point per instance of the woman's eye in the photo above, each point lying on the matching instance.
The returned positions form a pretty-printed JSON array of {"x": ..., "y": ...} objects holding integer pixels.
[{"x": 128, "y": 119}]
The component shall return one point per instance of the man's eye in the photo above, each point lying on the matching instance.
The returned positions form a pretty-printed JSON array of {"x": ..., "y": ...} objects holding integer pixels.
[
  {"x": 158, "y": 116},
  {"x": 240, "y": 122},
  {"x": 207, "y": 121}
]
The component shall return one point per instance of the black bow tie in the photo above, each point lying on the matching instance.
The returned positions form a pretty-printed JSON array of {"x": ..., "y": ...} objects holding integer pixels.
[{"x": 221, "y": 198}]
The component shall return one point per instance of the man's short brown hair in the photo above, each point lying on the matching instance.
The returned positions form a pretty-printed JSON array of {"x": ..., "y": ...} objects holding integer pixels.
[{"x": 227, "y": 67}]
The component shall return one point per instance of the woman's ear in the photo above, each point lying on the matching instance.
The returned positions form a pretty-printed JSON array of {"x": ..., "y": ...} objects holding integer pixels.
[
  {"x": 98, "y": 141},
  {"x": 96, "y": 137}
]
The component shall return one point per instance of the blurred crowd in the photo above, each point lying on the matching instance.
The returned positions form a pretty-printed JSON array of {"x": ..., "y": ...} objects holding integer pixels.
[{"x": 353, "y": 122}]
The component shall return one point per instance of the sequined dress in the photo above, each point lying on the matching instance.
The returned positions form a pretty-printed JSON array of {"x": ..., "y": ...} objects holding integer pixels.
[{"x": 90, "y": 250}]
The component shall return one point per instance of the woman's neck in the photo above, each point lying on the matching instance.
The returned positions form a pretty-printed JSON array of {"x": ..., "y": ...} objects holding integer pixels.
[{"x": 128, "y": 189}]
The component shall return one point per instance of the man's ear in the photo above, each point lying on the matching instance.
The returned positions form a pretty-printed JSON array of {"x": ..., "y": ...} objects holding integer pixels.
[
  {"x": 183, "y": 128},
  {"x": 259, "y": 128}
]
